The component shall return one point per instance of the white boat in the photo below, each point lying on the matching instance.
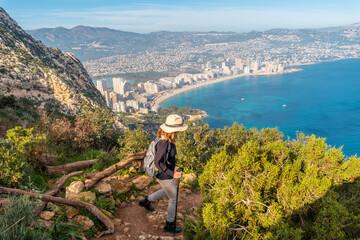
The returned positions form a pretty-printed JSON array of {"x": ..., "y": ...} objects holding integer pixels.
[
  {"x": 284, "y": 105},
  {"x": 242, "y": 99}
]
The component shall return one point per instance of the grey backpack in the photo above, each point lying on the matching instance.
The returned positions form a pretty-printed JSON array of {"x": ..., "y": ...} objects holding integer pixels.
[{"x": 149, "y": 160}]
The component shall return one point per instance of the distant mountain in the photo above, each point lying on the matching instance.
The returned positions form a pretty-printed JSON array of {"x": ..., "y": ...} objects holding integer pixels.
[
  {"x": 91, "y": 43},
  {"x": 97, "y": 41},
  {"x": 30, "y": 69}
]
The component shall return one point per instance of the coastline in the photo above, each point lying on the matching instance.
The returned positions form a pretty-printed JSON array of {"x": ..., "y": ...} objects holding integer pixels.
[{"x": 169, "y": 94}]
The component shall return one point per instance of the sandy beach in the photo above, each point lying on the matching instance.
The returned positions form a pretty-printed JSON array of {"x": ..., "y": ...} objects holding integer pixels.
[{"x": 171, "y": 93}]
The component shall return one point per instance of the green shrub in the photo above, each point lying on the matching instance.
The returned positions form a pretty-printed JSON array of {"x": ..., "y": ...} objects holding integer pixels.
[
  {"x": 31, "y": 144},
  {"x": 14, "y": 167},
  {"x": 134, "y": 141},
  {"x": 196, "y": 145},
  {"x": 268, "y": 188},
  {"x": 17, "y": 221}
]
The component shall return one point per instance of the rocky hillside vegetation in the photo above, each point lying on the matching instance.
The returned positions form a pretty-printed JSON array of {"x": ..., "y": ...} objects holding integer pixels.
[{"x": 32, "y": 70}]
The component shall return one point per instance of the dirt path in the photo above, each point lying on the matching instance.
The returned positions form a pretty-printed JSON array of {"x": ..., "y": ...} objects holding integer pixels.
[{"x": 134, "y": 222}]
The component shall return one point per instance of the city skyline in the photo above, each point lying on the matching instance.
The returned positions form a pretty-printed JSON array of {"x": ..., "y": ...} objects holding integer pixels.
[{"x": 150, "y": 16}]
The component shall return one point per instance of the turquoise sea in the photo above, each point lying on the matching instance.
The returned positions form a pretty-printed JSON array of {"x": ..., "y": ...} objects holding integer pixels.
[{"x": 322, "y": 99}]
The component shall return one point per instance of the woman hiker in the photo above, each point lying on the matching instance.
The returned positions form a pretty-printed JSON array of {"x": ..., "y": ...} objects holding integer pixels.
[{"x": 165, "y": 162}]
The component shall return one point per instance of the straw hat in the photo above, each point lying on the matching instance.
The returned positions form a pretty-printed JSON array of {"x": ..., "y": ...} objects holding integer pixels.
[{"x": 174, "y": 123}]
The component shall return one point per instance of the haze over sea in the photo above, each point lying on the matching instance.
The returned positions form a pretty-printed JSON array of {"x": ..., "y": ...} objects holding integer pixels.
[{"x": 323, "y": 99}]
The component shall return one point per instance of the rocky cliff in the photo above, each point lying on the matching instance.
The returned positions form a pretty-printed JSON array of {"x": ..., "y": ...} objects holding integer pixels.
[{"x": 30, "y": 69}]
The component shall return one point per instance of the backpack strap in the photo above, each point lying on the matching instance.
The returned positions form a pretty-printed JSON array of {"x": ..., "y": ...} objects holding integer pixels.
[{"x": 168, "y": 150}]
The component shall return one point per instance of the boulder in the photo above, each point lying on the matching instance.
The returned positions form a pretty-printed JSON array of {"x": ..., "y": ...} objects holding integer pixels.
[
  {"x": 142, "y": 182},
  {"x": 44, "y": 224},
  {"x": 46, "y": 215},
  {"x": 87, "y": 196},
  {"x": 103, "y": 187},
  {"x": 191, "y": 177},
  {"x": 120, "y": 186},
  {"x": 86, "y": 222},
  {"x": 71, "y": 212},
  {"x": 116, "y": 177},
  {"x": 74, "y": 188}
]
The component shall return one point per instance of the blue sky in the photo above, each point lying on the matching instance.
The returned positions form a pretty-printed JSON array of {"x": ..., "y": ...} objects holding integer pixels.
[{"x": 185, "y": 15}]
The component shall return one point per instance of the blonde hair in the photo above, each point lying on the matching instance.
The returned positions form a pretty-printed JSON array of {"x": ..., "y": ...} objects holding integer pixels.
[{"x": 166, "y": 136}]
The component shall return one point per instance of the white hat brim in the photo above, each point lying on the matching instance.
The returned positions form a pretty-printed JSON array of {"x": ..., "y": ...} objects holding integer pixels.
[{"x": 170, "y": 129}]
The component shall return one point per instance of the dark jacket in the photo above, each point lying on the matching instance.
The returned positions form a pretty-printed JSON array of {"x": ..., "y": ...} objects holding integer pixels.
[{"x": 166, "y": 168}]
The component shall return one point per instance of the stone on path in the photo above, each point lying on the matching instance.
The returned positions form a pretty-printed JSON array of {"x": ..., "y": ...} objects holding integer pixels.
[
  {"x": 86, "y": 222},
  {"x": 103, "y": 187},
  {"x": 142, "y": 182},
  {"x": 46, "y": 215},
  {"x": 71, "y": 212},
  {"x": 74, "y": 188}
]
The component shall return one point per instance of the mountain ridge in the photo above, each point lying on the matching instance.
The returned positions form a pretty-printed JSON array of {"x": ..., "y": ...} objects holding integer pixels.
[
  {"x": 30, "y": 69},
  {"x": 93, "y": 43}
]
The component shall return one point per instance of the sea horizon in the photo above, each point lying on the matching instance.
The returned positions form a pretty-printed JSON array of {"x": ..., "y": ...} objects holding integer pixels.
[{"x": 322, "y": 100}]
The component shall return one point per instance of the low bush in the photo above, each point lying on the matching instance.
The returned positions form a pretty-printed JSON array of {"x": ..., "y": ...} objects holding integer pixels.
[
  {"x": 133, "y": 141},
  {"x": 14, "y": 167},
  {"x": 91, "y": 128},
  {"x": 259, "y": 186},
  {"x": 17, "y": 221},
  {"x": 32, "y": 145}
]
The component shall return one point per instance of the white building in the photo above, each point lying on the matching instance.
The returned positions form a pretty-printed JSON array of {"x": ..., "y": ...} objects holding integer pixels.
[
  {"x": 119, "y": 107},
  {"x": 168, "y": 82},
  {"x": 246, "y": 69},
  {"x": 101, "y": 85},
  {"x": 151, "y": 87},
  {"x": 239, "y": 63},
  {"x": 121, "y": 86}
]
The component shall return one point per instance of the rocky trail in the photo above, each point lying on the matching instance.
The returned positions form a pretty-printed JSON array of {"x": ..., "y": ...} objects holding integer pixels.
[{"x": 134, "y": 222}]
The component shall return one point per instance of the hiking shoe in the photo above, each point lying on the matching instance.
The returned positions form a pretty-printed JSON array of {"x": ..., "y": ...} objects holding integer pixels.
[
  {"x": 146, "y": 204},
  {"x": 170, "y": 227}
]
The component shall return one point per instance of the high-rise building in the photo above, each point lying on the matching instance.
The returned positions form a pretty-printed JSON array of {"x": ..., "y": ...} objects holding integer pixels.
[
  {"x": 239, "y": 63},
  {"x": 208, "y": 65},
  {"x": 107, "y": 99},
  {"x": 254, "y": 66},
  {"x": 101, "y": 85},
  {"x": 115, "y": 98},
  {"x": 141, "y": 88},
  {"x": 246, "y": 69},
  {"x": 259, "y": 61},
  {"x": 151, "y": 87},
  {"x": 119, "y": 107},
  {"x": 121, "y": 86}
]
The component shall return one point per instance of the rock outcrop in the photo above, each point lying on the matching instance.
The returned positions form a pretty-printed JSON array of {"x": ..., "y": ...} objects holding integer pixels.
[{"x": 32, "y": 70}]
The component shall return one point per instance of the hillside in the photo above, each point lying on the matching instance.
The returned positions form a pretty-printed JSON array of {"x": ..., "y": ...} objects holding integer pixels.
[
  {"x": 32, "y": 70},
  {"x": 106, "y": 52}
]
